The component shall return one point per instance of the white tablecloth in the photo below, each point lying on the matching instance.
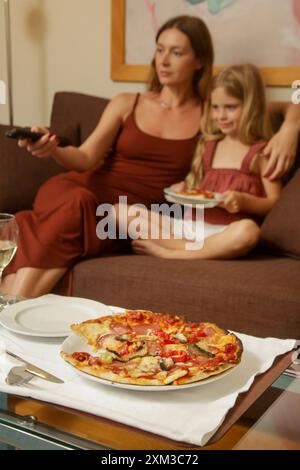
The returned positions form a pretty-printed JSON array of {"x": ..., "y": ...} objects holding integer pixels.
[{"x": 191, "y": 415}]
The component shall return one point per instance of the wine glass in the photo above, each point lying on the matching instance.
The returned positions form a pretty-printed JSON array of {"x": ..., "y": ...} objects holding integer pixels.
[{"x": 9, "y": 237}]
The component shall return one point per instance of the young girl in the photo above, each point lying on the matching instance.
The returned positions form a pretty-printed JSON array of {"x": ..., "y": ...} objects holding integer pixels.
[{"x": 228, "y": 160}]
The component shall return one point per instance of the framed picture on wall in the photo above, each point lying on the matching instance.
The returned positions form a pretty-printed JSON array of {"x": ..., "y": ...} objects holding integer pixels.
[{"x": 264, "y": 32}]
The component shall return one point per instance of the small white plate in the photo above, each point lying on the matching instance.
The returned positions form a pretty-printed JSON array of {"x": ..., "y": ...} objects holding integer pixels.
[
  {"x": 50, "y": 316},
  {"x": 207, "y": 204},
  {"x": 75, "y": 343},
  {"x": 172, "y": 196}
]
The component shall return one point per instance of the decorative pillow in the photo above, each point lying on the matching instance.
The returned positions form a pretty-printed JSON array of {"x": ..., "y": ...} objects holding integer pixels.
[{"x": 280, "y": 231}]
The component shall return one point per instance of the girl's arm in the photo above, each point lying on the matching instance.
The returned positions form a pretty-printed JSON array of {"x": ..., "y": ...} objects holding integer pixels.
[
  {"x": 283, "y": 145},
  {"x": 178, "y": 186},
  {"x": 93, "y": 151},
  {"x": 234, "y": 201}
]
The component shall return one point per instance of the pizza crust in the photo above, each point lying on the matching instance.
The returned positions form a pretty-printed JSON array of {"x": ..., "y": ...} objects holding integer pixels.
[
  {"x": 203, "y": 375},
  {"x": 105, "y": 374}
]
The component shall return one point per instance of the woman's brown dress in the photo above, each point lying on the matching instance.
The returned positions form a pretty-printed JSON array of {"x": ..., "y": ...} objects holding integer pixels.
[{"x": 61, "y": 228}]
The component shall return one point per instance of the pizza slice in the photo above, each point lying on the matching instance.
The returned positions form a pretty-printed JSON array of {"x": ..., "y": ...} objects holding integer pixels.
[{"x": 198, "y": 193}]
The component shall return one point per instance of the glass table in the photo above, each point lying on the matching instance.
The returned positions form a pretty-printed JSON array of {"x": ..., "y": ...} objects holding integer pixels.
[
  {"x": 279, "y": 426},
  {"x": 271, "y": 422},
  {"x": 267, "y": 417}
]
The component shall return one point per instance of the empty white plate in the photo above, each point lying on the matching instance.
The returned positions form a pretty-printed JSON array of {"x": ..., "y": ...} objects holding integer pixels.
[{"x": 50, "y": 315}]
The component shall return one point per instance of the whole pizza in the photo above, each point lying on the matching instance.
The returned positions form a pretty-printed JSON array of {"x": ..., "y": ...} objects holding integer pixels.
[{"x": 145, "y": 348}]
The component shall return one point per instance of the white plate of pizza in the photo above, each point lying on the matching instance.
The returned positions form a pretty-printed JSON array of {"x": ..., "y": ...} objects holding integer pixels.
[
  {"x": 146, "y": 351},
  {"x": 208, "y": 199}
]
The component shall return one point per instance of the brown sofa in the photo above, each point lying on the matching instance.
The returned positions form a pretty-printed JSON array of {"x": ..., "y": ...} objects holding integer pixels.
[{"x": 258, "y": 295}]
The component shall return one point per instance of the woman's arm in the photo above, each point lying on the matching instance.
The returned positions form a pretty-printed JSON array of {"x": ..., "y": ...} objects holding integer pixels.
[
  {"x": 93, "y": 151},
  {"x": 283, "y": 146}
]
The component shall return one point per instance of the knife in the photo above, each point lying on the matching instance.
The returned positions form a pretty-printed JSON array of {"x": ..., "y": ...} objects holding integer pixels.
[{"x": 34, "y": 370}]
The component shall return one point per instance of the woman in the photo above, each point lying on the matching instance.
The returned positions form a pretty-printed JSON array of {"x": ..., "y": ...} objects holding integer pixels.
[{"x": 153, "y": 136}]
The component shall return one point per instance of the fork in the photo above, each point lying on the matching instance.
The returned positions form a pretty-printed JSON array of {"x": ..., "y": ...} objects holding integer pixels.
[{"x": 18, "y": 376}]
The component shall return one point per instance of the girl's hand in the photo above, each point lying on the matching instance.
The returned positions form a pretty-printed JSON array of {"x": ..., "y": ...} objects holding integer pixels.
[
  {"x": 44, "y": 147},
  {"x": 178, "y": 186},
  {"x": 281, "y": 151},
  {"x": 232, "y": 201}
]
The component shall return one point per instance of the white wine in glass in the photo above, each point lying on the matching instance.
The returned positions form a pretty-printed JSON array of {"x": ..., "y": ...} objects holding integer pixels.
[
  {"x": 9, "y": 237},
  {"x": 7, "y": 251}
]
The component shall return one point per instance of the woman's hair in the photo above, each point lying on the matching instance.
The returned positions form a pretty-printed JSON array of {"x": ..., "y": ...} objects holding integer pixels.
[
  {"x": 197, "y": 32},
  {"x": 245, "y": 83}
]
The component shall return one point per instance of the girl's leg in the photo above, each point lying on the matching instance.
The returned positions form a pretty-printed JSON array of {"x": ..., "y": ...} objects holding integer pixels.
[
  {"x": 148, "y": 225},
  {"x": 142, "y": 225},
  {"x": 161, "y": 248},
  {"x": 236, "y": 240},
  {"x": 32, "y": 282}
]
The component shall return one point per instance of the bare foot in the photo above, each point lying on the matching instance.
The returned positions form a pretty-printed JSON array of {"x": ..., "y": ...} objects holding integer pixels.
[{"x": 149, "y": 247}]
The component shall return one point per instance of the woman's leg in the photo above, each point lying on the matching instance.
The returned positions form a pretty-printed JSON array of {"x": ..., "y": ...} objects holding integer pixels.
[
  {"x": 59, "y": 230},
  {"x": 6, "y": 282},
  {"x": 235, "y": 241},
  {"x": 32, "y": 282}
]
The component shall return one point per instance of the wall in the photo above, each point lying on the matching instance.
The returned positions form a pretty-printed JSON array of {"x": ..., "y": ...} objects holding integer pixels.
[
  {"x": 57, "y": 45},
  {"x": 3, "y": 64},
  {"x": 62, "y": 45}
]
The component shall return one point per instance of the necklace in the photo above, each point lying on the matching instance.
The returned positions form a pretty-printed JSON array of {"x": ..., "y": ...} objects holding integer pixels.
[{"x": 164, "y": 104}]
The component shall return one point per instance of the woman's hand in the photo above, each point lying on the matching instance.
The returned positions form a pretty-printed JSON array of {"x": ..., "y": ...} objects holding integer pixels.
[
  {"x": 44, "y": 147},
  {"x": 281, "y": 151},
  {"x": 232, "y": 201}
]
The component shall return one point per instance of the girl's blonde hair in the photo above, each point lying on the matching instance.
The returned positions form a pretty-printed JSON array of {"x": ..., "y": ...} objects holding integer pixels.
[
  {"x": 245, "y": 83},
  {"x": 197, "y": 32}
]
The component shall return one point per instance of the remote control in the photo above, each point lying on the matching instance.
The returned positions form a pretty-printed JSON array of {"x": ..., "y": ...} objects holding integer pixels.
[{"x": 19, "y": 133}]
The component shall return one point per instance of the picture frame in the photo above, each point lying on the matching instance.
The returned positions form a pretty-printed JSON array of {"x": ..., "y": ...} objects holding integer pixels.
[{"x": 133, "y": 72}]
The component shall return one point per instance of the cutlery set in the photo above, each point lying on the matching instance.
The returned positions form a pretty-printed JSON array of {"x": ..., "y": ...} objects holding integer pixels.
[
  {"x": 22, "y": 374},
  {"x": 18, "y": 376}
]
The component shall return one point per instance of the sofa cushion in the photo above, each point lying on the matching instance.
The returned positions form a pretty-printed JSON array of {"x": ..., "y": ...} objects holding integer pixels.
[
  {"x": 81, "y": 112},
  {"x": 280, "y": 231},
  {"x": 258, "y": 296},
  {"x": 21, "y": 174}
]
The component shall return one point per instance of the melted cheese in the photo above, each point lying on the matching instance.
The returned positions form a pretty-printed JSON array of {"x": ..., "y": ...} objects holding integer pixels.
[
  {"x": 91, "y": 331},
  {"x": 112, "y": 343},
  {"x": 149, "y": 364},
  {"x": 218, "y": 341},
  {"x": 175, "y": 347}
]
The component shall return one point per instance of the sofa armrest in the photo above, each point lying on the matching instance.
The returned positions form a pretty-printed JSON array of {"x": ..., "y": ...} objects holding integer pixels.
[{"x": 20, "y": 174}]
